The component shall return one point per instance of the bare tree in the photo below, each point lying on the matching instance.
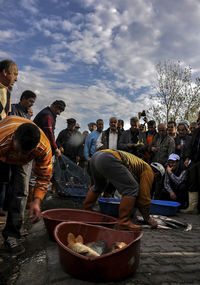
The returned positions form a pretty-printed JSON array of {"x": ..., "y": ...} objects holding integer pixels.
[{"x": 176, "y": 97}]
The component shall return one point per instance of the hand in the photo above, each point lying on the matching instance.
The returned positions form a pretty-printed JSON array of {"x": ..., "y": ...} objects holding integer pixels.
[
  {"x": 35, "y": 212},
  {"x": 172, "y": 195},
  {"x": 57, "y": 152},
  {"x": 154, "y": 149},
  {"x": 179, "y": 146},
  {"x": 61, "y": 149},
  {"x": 169, "y": 169}
]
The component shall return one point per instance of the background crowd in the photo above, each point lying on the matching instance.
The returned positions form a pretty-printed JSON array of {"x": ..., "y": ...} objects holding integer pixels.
[{"x": 175, "y": 145}]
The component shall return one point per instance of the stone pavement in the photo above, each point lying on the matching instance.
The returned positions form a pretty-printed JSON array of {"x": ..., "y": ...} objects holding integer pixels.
[{"x": 168, "y": 257}]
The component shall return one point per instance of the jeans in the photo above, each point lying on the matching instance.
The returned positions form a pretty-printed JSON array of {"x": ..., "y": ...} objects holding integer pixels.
[{"x": 19, "y": 188}]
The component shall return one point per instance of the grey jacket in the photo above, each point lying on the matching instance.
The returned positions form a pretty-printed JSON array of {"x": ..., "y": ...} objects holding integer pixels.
[{"x": 165, "y": 146}]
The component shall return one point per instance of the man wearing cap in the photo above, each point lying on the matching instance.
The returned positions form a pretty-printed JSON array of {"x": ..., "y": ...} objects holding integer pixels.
[
  {"x": 131, "y": 176},
  {"x": 175, "y": 181},
  {"x": 69, "y": 142},
  {"x": 46, "y": 120}
]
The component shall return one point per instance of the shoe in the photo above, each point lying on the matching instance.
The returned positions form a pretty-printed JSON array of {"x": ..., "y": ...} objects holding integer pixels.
[{"x": 14, "y": 247}]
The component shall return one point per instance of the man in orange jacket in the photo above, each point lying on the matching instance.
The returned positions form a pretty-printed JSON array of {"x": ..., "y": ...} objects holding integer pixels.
[{"x": 20, "y": 142}]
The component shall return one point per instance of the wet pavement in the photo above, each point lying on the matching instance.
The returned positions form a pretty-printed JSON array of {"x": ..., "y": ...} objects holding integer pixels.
[{"x": 167, "y": 256}]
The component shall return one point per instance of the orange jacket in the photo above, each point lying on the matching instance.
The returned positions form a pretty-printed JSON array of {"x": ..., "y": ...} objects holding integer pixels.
[{"x": 41, "y": 154}]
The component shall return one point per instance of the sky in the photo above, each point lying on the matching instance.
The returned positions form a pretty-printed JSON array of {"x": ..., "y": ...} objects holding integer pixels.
[{"x": 98, "y": 56}]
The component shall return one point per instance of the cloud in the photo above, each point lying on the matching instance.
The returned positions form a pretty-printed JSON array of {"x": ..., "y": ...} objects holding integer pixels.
[{"x": 29, "y": 5}]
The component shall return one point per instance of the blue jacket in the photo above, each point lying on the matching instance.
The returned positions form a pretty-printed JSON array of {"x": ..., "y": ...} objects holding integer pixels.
[{"x": 90, "y": 144}]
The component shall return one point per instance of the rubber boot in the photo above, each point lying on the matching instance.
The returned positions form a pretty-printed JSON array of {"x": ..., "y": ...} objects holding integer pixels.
[
  {"x": 125, "y": 209},
  {"x": 30, "y": 196},
  {"x": 193, "y": 202},
  {"x": 90, "y": 200}
]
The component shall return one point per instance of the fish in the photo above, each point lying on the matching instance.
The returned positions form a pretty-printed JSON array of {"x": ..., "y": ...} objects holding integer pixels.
[
  {"x": 99, "y": 246},
  {"x": 164, "y": 223},
  {"x": 118, "y": 245},
  {"x": 76, "y": 244}
]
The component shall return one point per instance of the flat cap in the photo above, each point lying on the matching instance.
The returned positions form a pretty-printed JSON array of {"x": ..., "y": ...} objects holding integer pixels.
[{"x": 71, "y": 121}]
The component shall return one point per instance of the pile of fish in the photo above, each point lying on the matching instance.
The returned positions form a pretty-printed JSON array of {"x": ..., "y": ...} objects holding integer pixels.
[
  {"x": 166, "y": 223},
  {"x": 92, "y": 249}
]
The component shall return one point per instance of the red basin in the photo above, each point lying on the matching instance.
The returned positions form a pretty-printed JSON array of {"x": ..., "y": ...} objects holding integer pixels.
[
  {"x": 55, "y": 216},
  {"x": 108, "y": 267}
]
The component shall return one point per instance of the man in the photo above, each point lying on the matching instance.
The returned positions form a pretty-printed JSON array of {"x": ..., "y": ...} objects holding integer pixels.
[
  {"x": 120, "y": 125},
  {"x": 150, "y": 134},
  {"x": 20, "y": 142},
  {"x": 8, "y": 76},
  {"x": 193, "y": 162},
  {"x": 109, "y": 139},
  {"x": 46, "y": 120},
  {"x": 182, "y": 141},
  {"x": 171, "y": 129},
  {"x": 133, "y": 140},
  {"x": 162, "y": 146},
  {"x": 90, "y": 142},
  {"x": 27, "y": 100},
  {"x": 131, "y": 176},
  {"x": 175, "y": 181},
  {"x": 22, "y": 172},
  {"x": 69, "y": 142}
]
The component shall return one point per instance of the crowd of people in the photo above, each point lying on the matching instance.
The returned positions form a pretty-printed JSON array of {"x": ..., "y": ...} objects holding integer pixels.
[{"x": 142, "y": 163}]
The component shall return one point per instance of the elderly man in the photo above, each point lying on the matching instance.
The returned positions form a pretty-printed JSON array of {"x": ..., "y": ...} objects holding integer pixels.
[
  {"x": 162, "y": 146},
  {"x": 20, "y": 142},
  {"x": 8, "y": 76},
  {"x": 110, "y": 137},
  {"x": 133, "y": 179}
]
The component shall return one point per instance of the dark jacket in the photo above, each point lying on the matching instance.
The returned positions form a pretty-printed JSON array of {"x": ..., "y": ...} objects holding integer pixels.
[
  {"x": 133, "y": 137},
  {"x": 46, "y": 120},
  {"x": 71, "y": 143},
  {"x": 193, "y": 149},
  {"x": 181, "y": 152},
  {"x": 18, "y": 110}
]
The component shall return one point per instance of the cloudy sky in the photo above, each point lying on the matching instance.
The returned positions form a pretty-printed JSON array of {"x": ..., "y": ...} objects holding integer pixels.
[{"x": 98, "y": 56}]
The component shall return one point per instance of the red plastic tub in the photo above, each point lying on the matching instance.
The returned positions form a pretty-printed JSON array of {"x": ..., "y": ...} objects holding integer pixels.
[
  {"x": 55, "y": 216},
  {"x": 108, "y": 267}
]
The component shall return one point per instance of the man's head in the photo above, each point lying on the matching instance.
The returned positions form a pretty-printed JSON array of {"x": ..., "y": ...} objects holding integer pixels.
[
  {"x": 134, "y": 121},
  {"x": 113, "y": 124},
  {"x": 182, "y": 130},
  {"x": 173, "y": 160},
  {"x": 8, "y": 72},
  {"x": 142, "y": 128},
  {"x": 100, "y": 125},
  {"x": 92, "y": 126},
  {"x": 71, "y": 124},
  {"x": 57, "y": 107},
  {"x": 26, "y": 138},
  {"x": 171, "y": 128},
  {"x": 193, "y": 127},
  {"x": 120, "y": 124},
  {"x": 27, "y": 99},
  {"x": 162, "y": 130},
  {"x": 77, "y": 126},
  {"x": 151, "y": 126}
]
